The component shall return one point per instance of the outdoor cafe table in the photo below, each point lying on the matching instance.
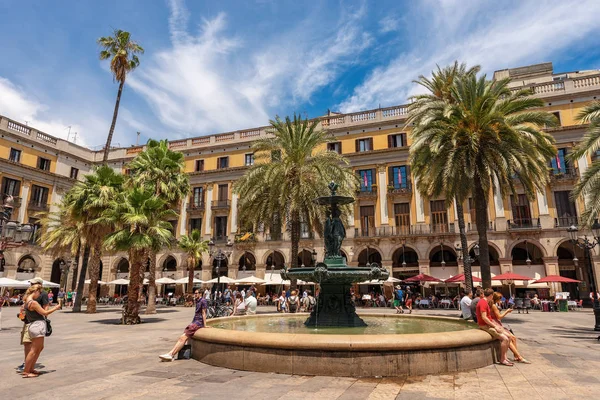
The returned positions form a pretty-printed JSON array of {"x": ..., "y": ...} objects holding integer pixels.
[
  {"x": 447, "y": 303},
  {"x": 572, "y": 303},
  {"x": 425, "y": 303}
]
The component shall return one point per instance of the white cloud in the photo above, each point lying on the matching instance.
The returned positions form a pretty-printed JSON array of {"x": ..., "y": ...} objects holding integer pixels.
[
  {"x": 16, "y": 104},
  {"x": 389, "y": 24},
  {"x": 214, "y": 81},
  {"x": 493, "y": 35}
]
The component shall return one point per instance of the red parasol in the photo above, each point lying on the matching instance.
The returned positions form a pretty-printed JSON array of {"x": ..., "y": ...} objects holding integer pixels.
[
  {"x": 422, "y": 278},
  {"x": 556, "y": 279},
  {"x": 460, "y": 278},
  {"x": 511, "y": 276}
]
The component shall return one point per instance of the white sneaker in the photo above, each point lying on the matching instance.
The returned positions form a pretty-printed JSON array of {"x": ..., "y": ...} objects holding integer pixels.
[{"x": 166, "y": 357}]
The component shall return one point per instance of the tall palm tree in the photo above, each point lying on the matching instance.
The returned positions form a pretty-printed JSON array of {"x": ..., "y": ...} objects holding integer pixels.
[
  {"x": 88, "y": 200},
  {"x": 292, "y": 168},
  {"x": 122, "y": 52},
  {"x": 161, "y": 170},
  {"x": 423, "y": 158},
  {"x": 589, "y": 185},
  {"x": 194, "y": 246},
  {"x": 141, "y": 223},
  {"x": 495, "y": 135}
]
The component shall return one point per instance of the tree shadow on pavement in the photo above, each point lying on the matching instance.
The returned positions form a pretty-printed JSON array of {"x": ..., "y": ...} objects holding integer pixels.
[{"x": 117, "y": 321}]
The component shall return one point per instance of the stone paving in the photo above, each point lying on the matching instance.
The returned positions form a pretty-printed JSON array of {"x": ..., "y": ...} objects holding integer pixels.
[{"x": 90, "y": 357}]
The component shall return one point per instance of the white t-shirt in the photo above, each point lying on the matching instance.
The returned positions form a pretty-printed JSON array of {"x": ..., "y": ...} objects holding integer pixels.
[
  {"x": 250, "y": 304},
  {"x": 465, "y": 307},
  {"x": 206, "y": 294},
  {"x": 282, "y": 302}
]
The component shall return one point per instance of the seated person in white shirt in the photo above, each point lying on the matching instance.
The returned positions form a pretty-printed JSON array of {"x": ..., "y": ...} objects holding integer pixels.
[{"x": 465, "y": 306}]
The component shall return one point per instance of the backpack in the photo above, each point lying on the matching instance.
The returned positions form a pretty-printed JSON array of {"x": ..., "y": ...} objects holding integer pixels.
[
  {"x": 22, "y": 315},
  {"x": 312, "y": 301},
  {"x": 293, "y": 300}
]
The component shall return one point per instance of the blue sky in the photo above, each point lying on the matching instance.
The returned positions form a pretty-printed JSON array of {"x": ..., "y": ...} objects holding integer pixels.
[{"x": 213, "y": 67}]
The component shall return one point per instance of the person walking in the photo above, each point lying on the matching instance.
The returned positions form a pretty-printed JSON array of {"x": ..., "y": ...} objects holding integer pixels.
[
  {"x": 282, "y": 303},
  {"x": 465, "y": 306},
  {"x": 293, "y": 301},
  {"x": 50, "y": 297},
  {"x": 36, "y": 328},
  {"x": 399, "y": 300},
  {"x": 198, "y": 322},
  {"x": 69, "y": 298},
  {"x": 485, "y": 323}
]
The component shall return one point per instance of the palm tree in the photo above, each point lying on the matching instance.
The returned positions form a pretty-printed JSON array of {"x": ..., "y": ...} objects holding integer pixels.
[
  {"x": 122, "y": 52},
  {"x": 292, "y": 168},
  {"x": 161, "y": 170},
  {"x": 141, "y": 224},
  {"x": 589, "y": 185},
  {"x": 494, "y": 135},
  {"x": 194, "y": 246},
  {"x": 431, "y": 177},
  {"x": 87, "y": 201}
]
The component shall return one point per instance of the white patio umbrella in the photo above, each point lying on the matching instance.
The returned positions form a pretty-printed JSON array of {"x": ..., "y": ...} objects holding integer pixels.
[
  {"x": 88, "y": 281},
  {"x": 250, "y": 280},
  {"x": 119, "y": 282},
  {"x": 165, "y": 281},
  {"x": 46, "y": 284},
  {"x": 183, "y": 281},
  {"x": 13, "y": 283},
  {"x": 223, "y": 279}
]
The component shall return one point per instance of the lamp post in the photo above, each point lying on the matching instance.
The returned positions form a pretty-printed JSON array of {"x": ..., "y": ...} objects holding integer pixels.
[
  {"x": 314, "y": 257},
  {"x": 468, "y": 261},
  {"x": 219, "y": 255},
  {"x": 12, "y": 234},
  {"x": 587, "y": 245}
]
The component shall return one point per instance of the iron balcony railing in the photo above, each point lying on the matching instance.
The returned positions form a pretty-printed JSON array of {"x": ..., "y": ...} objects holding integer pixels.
[
  {"x": 405, "y": 188},
  {"x": 472, "y": 227},
  {"x": 196, "y": 206},
  {"x": 404, "y": 230},
  {"x": 565, "y": 174},
  {"x": 565, "y": 222},
  {"x": 218, "y": 204},
  {"x": 35, "y": 205},
  {"x": 273, "y": 236},
  {"x": 524, "y": 224}
]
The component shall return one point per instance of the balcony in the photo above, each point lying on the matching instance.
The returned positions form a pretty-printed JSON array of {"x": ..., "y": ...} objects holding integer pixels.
[
  {"x": 35, "y": 205},
  {"x": 273, "y": 237},
  {"x": 397, "y": 191},
  {"x": 246, "y": 237},
  {"x": 404, "y": 230},
  {"x": 524, "y": 224},
  {"x": 565, "y": 222},
  {"x": 220, "y": 204},
  {"x": 566, "y": 175},
  {"x": 472, "y": 227},
  {"x": 196, "y": 207},
  {"x": 367, "y": 193}
]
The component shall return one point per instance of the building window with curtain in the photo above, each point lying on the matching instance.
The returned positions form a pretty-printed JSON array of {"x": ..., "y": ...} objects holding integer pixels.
[
  {"x": 559, "y": 163},
  {"x": 439, "y": 216},
  {"x": 520, "y": 210},
  {"x": 366, "y": 180},
  {"x": 399, "y": 177},
  {"x": 197, "y": 197}
]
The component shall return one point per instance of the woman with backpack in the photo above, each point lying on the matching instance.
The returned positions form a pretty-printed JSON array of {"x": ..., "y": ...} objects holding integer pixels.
[
  {"x": 36, "y": 329},
  {"x": 293, "y": 301}
]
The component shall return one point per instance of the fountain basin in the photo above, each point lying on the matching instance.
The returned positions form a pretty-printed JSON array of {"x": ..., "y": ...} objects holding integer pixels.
[{"x": 457, "y": 347}]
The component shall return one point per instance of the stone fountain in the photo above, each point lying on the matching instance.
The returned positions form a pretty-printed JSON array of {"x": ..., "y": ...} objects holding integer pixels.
[{"x": 334, "y": 306}]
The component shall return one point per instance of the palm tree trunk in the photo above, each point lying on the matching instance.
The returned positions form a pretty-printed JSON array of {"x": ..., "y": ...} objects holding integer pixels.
[
  {"x": 151, "y": 308},
  {"x": 481, "y": 220},
  {"x": 94, "y": 276},
  {"x": 114, "y": 122},
  {"x": 465, "y": 246},
  {"x": 132, "y": 309},
  {"x": 191, "y": 266},
  {"x": 295, "y": 237},
  {"x": 81, "y": 280}
]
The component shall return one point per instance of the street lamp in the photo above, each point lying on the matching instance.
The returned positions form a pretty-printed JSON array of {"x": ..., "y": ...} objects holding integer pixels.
[
  {"x": 443, "y": 263},
  {"x": 314, "y": 257},
  {"x": 587, "y": 245},
  {"x": 12, "y": 234},
  {"x": 219, "y": 255}
]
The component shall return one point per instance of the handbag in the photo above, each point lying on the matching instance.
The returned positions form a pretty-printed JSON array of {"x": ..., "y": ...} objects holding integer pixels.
[{"x": 48, "y": 327}]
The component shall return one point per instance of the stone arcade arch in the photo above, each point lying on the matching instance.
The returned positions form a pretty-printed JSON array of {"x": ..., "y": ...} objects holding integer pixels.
[
  {"x": 369, "y": 255},
  {"x": 248, "y": 261},
  {"x": 275, "y": 258}
]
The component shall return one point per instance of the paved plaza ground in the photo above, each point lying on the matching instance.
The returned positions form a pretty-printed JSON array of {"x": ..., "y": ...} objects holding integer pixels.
[{"x": 90, "y": 357}]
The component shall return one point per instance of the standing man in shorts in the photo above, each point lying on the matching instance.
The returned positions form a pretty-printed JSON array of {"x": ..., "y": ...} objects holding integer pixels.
[
  {"x": 198, "y": 322},
  {"x": 399, "y": 300},
  {"x": 25, "y": 340},
  {"x": 485, "y": 324}
]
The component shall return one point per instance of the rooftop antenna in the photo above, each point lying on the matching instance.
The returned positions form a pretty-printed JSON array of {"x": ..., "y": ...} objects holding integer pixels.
[
  {"x": 26, "y": 123},
  {"x": 75, "y": 138},
  {"x": 137, "y": 140},
  {"x": 69, "y": 133}
]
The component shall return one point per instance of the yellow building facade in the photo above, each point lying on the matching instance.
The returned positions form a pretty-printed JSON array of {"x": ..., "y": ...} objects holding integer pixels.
[{"x": 391, "y": 223}]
